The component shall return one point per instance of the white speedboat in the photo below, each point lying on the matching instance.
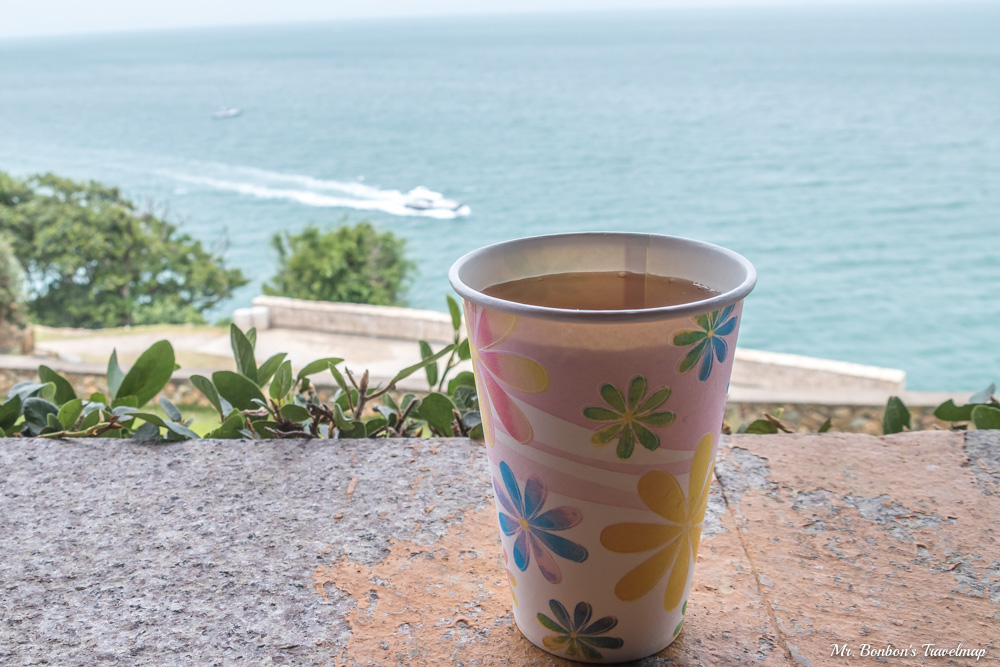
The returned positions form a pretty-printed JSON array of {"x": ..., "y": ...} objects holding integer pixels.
[
  {"x": 424, "y": 199},
  {"x": 226, "y": 112}
]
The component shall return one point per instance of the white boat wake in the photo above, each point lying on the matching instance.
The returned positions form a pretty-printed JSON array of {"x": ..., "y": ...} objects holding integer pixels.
[{"x": 317, "y": 192}]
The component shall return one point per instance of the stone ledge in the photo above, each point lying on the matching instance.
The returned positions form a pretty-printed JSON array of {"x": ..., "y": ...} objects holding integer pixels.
[
  {"x": 354, "y": 318},
  {"x": 385, "y": 552}
]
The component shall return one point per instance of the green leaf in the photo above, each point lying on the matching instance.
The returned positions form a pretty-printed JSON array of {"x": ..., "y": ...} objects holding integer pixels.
[
  {"x": 438, "y": 411},
  {"x": 430, "y": 369},
  {"x": 338, "y": 378},
  {"x": 10, "y": 411},
  {"x": 471, "y": 420},
  {"x": 825, "y": 427},
  {"x": 456, "y": 312},
  {"x": 251, "y": 335},
  {"x": 282, "y": 382},
  {"x": 477, "y": 433},
  {"x": 347, "y": 399},
  {"x": 375, "y": 424},
  {"x": 242, "y": 353},
  {"x": 52, "y": 424},
  {"x": 126, "y": 401},
  {"x": 64, "y": 390},
  {"x": 238, "y": 389},
  {"x": 171, "y": 410},
  {"x": 388, "y": 400},
  {"x": 268, "y": 368},
  {"x": 36, "y": 412},
  {"x": 260, "y": 428},
  {"x": 342, "y": 421},
  {"x": 47, "y": 391},
  {"x": 149, "y": 374},
  {"x": 355, "y": 430},
  {"x": 896, "y": 416},
  {"x": 296, "y": 413},
  {"x": 205, "y": 386},
  {"x": 410, "y": 370},
  {"x": 69, "y": 413},
  {"x": 91, "y": 418},
  {"x": 147, "y": 432},
  {"x": 115, "y": 375},
  {"x": 230, "y": 428},
  {"x": 464, "y": 398},
  {"x": 317, "y": 366},
  {"x": 761, "y": 427},
  {"x": 24, "y": 390},
  {"x": 949, "y": 412},
  {"x": 463, "y": 379},
  {"x": 464, "y": 353},
  {"x": 984, "y": 396},
  {"x": 986, "y": 417},
  {"x": 390, "y": 414},
  {"x": 178, "y": 431}
]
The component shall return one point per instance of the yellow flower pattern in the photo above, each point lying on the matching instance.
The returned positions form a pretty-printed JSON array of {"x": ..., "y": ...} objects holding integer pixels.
[{"x": 676, "y": 539}]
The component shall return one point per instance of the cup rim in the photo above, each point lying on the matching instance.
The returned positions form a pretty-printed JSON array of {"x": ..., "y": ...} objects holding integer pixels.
[{"x": 604, "y": 316}]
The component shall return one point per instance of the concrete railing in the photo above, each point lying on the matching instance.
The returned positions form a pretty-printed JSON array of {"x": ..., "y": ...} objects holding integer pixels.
[
  {"x": 774, "y": 371},
  {"x": 345, "y": 318}
]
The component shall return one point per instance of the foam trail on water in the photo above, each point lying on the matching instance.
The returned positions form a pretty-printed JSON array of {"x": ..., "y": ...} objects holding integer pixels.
[
  {"x": 315, "y": 192},
  {"x": 356, "y": 189}
]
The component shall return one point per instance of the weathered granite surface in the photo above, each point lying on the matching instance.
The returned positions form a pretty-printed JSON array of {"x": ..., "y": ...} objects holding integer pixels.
[{"x": 362, "y": 552}]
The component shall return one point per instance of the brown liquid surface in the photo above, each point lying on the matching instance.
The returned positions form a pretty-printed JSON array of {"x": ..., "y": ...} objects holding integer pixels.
[{"x": 600, "y": 290}]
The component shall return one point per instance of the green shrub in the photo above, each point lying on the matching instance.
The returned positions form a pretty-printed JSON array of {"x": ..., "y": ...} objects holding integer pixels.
[
  {"x": 94, "y": 260},
  {"x": 11, "y": 311},
  {"x": 353, "y": 264},
  {"x": 255, "y": 402}
]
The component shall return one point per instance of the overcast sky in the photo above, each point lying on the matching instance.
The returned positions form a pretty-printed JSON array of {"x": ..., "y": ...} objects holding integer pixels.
[{"x": 23, "y": 18}]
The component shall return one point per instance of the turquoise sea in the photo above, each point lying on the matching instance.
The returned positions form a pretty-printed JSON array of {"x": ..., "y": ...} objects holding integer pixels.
[{"x": 852, "y": 153}]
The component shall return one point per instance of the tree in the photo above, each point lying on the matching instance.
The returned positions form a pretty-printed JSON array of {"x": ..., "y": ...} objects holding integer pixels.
[
  {"x": 10, "y": 286},
  {"x": 354, "y": 264},
  {"x": 93, "y": 259}
]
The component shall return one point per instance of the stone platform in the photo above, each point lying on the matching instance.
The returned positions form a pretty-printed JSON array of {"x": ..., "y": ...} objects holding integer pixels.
[{"x": 385, "y": 552}]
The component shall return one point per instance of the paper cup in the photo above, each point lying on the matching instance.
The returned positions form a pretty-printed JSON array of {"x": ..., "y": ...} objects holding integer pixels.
[{"x": 601, "y": 429}]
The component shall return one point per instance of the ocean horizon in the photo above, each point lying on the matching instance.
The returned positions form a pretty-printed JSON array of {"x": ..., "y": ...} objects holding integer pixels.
[{"x": 852, "y": 153}]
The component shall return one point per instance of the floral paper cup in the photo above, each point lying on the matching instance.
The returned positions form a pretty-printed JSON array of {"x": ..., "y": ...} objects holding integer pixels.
[{"x": 601, "y": 429}]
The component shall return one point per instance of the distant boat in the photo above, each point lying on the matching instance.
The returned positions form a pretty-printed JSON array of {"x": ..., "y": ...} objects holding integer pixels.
[
  {"x": 424, "y": 199},
  {"x": 227, "y": 112}
]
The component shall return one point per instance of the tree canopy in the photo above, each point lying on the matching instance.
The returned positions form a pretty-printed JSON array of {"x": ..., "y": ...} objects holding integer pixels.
[
  {"x": 93, "y": 259},
  {"x": 354, "y": 264}
]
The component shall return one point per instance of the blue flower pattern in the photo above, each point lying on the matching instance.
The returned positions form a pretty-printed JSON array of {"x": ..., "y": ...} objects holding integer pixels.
[{"x": 532, "y": 529}]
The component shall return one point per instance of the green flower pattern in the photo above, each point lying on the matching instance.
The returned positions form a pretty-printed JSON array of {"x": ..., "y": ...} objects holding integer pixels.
[
  {"x": 684, "y": 611},
  {"x": 577, "y": 637},
  {"x": 707, "y": 343},
  {"x": 631, "y": 419}
]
